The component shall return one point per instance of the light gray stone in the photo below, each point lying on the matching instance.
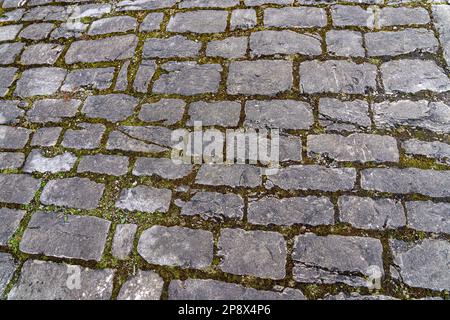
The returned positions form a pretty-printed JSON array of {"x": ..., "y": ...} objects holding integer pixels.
[
  {"x": 429, "y": 216},
  {"x": 341, "y": 115},
  {"x": 358, "y": 297},
  {"x": 208, "y": 3},
  {"x": 80, "y": 193},
  {"x": 402, "y": 16},
  {"x": 352, "y": 16},
  {"x": 242, "y": 19},
  {"x": 337, "y": 76},
  {"x": 290, "y": 148},
  {"x": 7, "y": 76},
  {"x": 85, "y": 136},
  {"x": 37, "y": 31},
  {"x": 204, "y": 21},
  {"x": 261, "y": 77},
  {"x": 345, "y": 43},
  {"x": 122, "y": 77},
  {"x": 10, "y": 223},
  {"x": 423, "y": 265},
  {"x": 172, "y": 47},
  {"x": 214, "y": 205},
  {"x": 9, "y": 52},
  {"x": 39, "y": 81},
  {"x": 331, "y": 259},
  {"x": 134, "y": 5},
  {"x": 431, "y": 183},
  {"x": 145, "y": 285},
  {"x": 152, "y": 22},
  {"x": 11, "y": 160},
  {"x": 413, "y": 75},
  {"x": 205, "y": 289},
  {"x": 123, "y": 240},
  {"x": 112, "y": 25},
  {"x": 188, "y": 78},
  {"x": 263, "y": 255},
  {"x": 299, "y": 17},
  {"x": 112, "y": 107},
  {"x": 236, "y": 175},
  {"x": 278, "y": 114},
  {"x": 308, "y": 210},
  {"x": 145, "y": 199},
  {"x": 7, "y": 268},
  {"x": 47, "y": 13},
  {"x": 10, "y": 111},
  {"x": 261, "y": 2},
  {"x": 367, "y": 213},
  {"x": 18, "y": 188},
  {"x": 165, "y": 111},
  {"x": 37, "y": 162},
  {"x": 140, "y": 139},
  {"x": 177, "y": 246},
  {"x": 284, "y": 42},
  {"x": 9, "y": 32},
  {"x": 144, "y": 75},
  {"x": 53, "y": 110},
  {"x": 88, "y": 79},
  {"x": 46, "y": 137},
  {"x": 42, "y": 53},
  {"x": 13, "y": 137},
  {"x": 230, "y": 48},
  {"x": 40, "y": 280},
  {"x": 435, "y": 150},
  {"x": 162, "y": 167},
  {"x": 315, "y": 177},
  {"x": 220, "y": 113},
  {"x": 441, "y": 18},
  {"x": 104, "y": 164}
]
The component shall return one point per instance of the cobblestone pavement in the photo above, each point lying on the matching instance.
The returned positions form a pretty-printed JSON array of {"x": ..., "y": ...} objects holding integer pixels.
[{"x": 92, "y": 207}]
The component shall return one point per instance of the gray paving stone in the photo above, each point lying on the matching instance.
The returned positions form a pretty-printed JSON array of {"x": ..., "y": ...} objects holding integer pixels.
[
  {"x": 315, "y": 177},
  {"x": 290, "y": 148},
  {"x": 214, "y": 205},
  {"x": 80, "y": 193},
  {"x": 10, "y": 223},
  {"x": 145, "y": 199},
  {"x": 220, "y": 113},
  {"x": 7, "y": 269},
  {"x": 9, "y": 52},
  {"x": 263, "y": 256},
  {"x": 165, "y": 111},
  {"x": 7, "y": 76},
  {"x": 144, "y": 75},
  {"x": 145, "y": 285},
  {"x": 88, "y": 79},
  {"x": 13, "y": 137},
  {"x": 413, "y": 75},
  {"x": 11, "y": 160},
  {"x": 357, "y": 296},
  {"x": 123, "y": 240},
  {"x": 429, "y": 216},
  {"x": 112, "y": 107},
  {"x": 53, "y": 110},
  {"x": 85, "y": 136},
  {"x": 402, "y": 16},
  {"x": 208, "y": 3},
  {"x": 152, "y": 22},
  {"x": 162, "y": 167},
  {"x": 177, "y": 246},
  {"x": 242, "y": 19},
  {"x": 68, "y": 31},
  {"x": 352, "y": 16},
  {"x": 236, "y": 175},
  {"x": 261, "y": 77},
  {"x": 172, "y": 47},
  {"x": 331, "y": 259},
  {"x": 140, "y": 139},
  {"x": 345, "y": 43},
  {"x": 417, "y": 114},
  {"x": 300, "y": 17},
  {"x": 230, "y": 48},
  {"x": 112, "y": 25},
  {"x": 65, "y": 236},
  {"x": 47, "y": 13},
  {"x": 357, "y": 147},
  {"x": 37, "y": 31},
  {"x": 40, "y": 280},
  {"x": 261, "y": 2},
  {"x": 37, "y": 162},
  {"x": 42, "y": 53},
  {"x": 200, "y": 289},
  {"x": 278, "y": 114},
  {"x": 10, "y": 111},
  {"x": 90, "y": 11},
  {"x": 12, "y": 16},
  {"x": 368, "y": 213},
  {"x": 434, "y": 150},
  {"x": 341, "y": 115},
  {"x": 441, "y": 18},
  {"x": 122, "y": 77},
  {"x": 18, "y": 188},
  {"x": 133, "y": 5},
  {"x": 104, "y": 164},
  {"x": 9, "y": 32},
  {"x": 392, "y": 43},
  {"x": 204, "y": 21},
  {"x": 46, "y": 137},
  {"x": 39, "y": 81},
  {"x": 431, "y": 183},
  {"x": 107, "y": 49},
  {"x": 337, "y": 76},
  {"x": 284, "y": 42},
  {"x": 423, "y": 265},
  {"x": 188, "y": 78},
  {"x": 308, "y": 210}
]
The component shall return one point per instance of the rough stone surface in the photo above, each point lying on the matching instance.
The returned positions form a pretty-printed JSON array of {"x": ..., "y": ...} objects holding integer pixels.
[
  {"x": 146, "y": 199},
  {"x": 112, "y": 25},
  {"x": 43, "y": 53},
  {"x": 222, "y": 113},
  {"x": 173, "y": 47},
  {"x": 53, "y": 110},
  {"x": 104, "y": 164},
  {"x": 80, "y": 193},
  {"x": 301, "y": 17},
  {"x": 7, "y": 269},
  {"x": 112, "y": 107},
  {"x": 123, "y": 240},
  {"x": 88, "y": 79},
  {"x": 18, "y": 188},
  {"x": 204, "y": 21},
  {"x": 145, "y": 285},
  {"x": 345, "y": 43},
  {"x": 233, "y": 47},
  {"x": 13, "y": 137},
  {"x": 46, "y": 137},
  {"x": 264, "y": 253},
  {"x": 429, "y": 216},
  {"x": 10, "y": 223},
  {"x": 161, "y": 167},
  {"x": 177, "y": 246},
  {"x": 435, "y": 150},
  {"x": 40, "y": 280},
  {"x": 238, "y": 175},
  {"x": 242, "y": 19},
  {"x": 340, "y": 115},
  {"x": 214, "y": 205},
  {"x": 11, "y": 160},
  {"x": 37, "y": 162},
  {"x": 84, "y": 136},
  {"x": 40, "y": 81},
  {"x": 65, "y": 236},
  {"x": 166, "y": 111}
]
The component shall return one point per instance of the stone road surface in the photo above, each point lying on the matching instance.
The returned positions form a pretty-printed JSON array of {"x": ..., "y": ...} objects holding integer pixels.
[{"x": 92, "y": 207}]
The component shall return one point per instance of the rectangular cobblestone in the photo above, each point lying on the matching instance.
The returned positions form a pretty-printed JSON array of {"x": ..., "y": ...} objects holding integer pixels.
[
  {"x": 18, "y": 188},
  {"x": 300, "y": 17}
]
